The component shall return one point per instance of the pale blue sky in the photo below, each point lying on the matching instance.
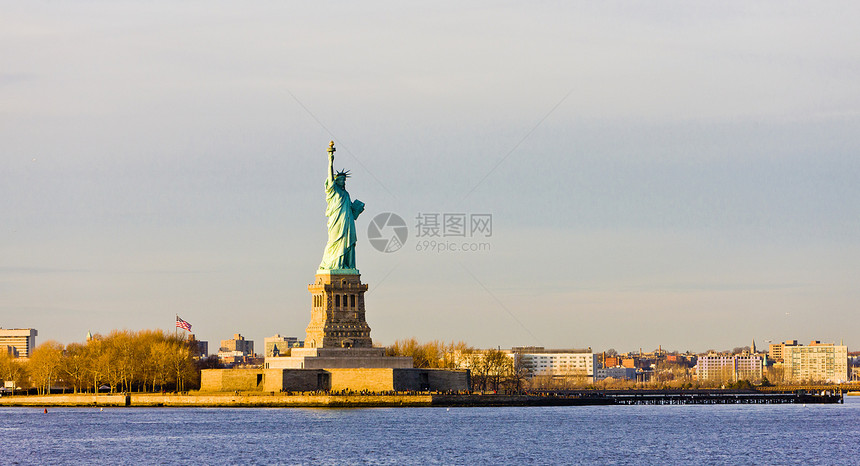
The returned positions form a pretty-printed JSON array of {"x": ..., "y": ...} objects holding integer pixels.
[{"x": 659, "y": 173}]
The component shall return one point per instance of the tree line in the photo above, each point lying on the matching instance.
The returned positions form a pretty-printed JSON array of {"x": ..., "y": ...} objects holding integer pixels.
[
  {"x": 491, "y": 370},
  {"x": 122, "y": 361},
  {"x": 496, "y": 370}
]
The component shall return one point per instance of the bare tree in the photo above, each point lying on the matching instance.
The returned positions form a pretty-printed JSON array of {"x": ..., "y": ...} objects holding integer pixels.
[
  {"x": 161, "y": 360},
  {"x": 182, "y": 365},
  {"x": 433, "y": 354},
  {"x": 75, "y": 366},
  {"x": 44, "y": 365},
  {"x": 11, "y": 369}
]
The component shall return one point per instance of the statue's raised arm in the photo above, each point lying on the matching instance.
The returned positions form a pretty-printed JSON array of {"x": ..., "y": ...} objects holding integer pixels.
[{"x": 331, "y": 150}]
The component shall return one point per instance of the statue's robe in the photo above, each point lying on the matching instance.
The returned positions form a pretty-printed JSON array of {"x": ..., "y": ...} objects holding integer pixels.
[{"x": 341, "y": 213}]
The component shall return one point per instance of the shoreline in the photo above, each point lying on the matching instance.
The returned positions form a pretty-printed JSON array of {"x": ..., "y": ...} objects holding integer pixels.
[{"x": 261, "y": 400}]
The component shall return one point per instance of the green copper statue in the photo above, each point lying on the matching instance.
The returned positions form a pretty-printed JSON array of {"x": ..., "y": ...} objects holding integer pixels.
[{"x": 340, "y": 249}]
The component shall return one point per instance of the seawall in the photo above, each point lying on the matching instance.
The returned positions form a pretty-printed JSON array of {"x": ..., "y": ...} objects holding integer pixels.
[
  {"x": 276, "y": 400},
  {"x": 65, "y": 400},
  {"x": 203, "y": 400},
  {"x": 250, "y": 400},
  {"x": 259, "y": 399}
]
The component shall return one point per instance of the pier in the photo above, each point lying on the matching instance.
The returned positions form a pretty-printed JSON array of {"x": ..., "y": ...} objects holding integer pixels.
[{"x": 685, "y": 397}]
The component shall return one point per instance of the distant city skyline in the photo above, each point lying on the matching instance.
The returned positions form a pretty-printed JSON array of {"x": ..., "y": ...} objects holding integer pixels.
[{"x": 662, "y": 174}]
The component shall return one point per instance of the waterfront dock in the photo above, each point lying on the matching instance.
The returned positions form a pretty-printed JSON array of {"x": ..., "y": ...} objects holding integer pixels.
[
  {"x": 666, "y": 397},
  {"x": 640, "y": 397}
]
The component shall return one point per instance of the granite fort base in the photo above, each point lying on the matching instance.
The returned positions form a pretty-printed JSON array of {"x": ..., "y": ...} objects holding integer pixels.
[
  {"x": 339, "y": 358},
  {"x": 356, "y": 379}
]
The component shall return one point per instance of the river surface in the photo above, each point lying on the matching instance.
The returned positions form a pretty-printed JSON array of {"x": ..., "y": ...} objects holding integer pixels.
[{"x": 694, "y": 434}]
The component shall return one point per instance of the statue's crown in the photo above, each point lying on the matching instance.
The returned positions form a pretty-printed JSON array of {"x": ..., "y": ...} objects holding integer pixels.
[{"x": 343, "y": 173}]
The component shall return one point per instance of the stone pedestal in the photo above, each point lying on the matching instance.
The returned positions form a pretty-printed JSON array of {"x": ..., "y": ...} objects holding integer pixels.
[
  {"x": 338, "y": 336},
  {"x": 339, "y": 358},
  {"x": 337, "y": 315}
]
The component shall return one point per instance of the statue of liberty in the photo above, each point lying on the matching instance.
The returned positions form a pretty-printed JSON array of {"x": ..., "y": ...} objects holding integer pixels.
[{"x": 340, "y": 248}]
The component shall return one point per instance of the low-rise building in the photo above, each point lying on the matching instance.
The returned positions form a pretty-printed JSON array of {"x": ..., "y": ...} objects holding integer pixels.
[
  {"x": 21, "y": 340},
  {"x": 618, "y": 373},
  {"x": 236, "y": 350},
  {"x": 817, "y": 362},
  {"x": 776, "y": 351},
  {"x": 238, "y": 343},
  {"x": 200, "y": 348},
  {"x": 854, "y": 366},
  {"x": 729, "y": 368},
  {"x": 280, "y": 345},
  {"x": 539, "y": 361}
]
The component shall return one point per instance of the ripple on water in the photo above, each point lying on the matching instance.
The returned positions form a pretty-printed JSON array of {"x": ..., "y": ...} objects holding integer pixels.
[{"x": 749, "y": 434}]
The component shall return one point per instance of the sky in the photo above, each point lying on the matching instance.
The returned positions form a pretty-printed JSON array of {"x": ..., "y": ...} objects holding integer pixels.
[{"x": 658, "y": 173}]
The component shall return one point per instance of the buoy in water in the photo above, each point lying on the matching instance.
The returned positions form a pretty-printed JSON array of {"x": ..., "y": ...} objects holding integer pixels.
[{"x": 46, "y": 410}]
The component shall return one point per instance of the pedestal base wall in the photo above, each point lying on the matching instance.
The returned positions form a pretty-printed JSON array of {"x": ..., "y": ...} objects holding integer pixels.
[
  {"x": 338, "y": 358},
  {"x": 374, "y": 380}
]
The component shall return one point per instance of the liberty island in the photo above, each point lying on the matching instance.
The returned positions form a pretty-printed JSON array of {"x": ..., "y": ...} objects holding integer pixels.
[{"x": 338, "y": 353}]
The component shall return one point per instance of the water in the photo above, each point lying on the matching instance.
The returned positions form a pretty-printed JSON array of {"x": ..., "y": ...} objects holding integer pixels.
[{"x": 694, "y": 434}]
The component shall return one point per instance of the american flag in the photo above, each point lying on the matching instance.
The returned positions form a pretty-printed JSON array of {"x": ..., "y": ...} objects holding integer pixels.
[{"x": 183, "y": 324}]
